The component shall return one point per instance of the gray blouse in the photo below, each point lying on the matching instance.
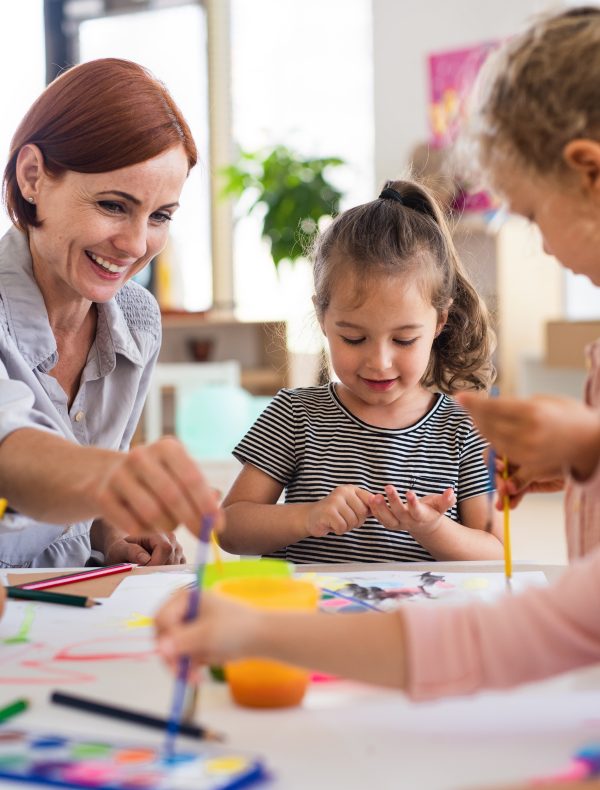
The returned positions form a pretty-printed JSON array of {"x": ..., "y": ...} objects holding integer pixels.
[{"x": 106, "y": 409}]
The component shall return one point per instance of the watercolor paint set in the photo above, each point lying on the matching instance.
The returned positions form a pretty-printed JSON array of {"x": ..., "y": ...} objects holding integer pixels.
[{"x": 63, "y": 761}]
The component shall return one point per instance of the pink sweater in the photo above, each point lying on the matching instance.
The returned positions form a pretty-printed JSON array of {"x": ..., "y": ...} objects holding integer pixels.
[
  {"x": 582, "y": 502},
  {"x": 516, "y": 639},
  {"x": 543, "y": 631}
]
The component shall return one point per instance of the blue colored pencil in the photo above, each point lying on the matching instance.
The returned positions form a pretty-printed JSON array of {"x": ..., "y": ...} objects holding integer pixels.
[
  {"x": 181, "y": 682},
  {"x": 491, "y": 467},
  {"x": 352, "y": 599}
]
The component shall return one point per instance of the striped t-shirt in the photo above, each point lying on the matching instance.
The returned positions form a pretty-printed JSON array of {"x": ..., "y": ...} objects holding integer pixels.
[{"x": 310, "y": 443}]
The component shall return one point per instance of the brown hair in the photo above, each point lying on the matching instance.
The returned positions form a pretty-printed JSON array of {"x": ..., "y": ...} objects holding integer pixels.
[
  {"x": 540, "y": 91},
  {"x": 95, "y": 117},
  {"x": 409, "y": 235}
]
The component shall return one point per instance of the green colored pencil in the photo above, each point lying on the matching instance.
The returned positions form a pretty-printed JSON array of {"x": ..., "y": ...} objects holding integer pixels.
[
  {"x": 50, "y": 597},
  {"x": 18, "y": 706}
]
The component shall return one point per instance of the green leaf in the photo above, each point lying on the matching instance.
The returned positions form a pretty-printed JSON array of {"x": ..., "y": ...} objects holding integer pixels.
[{"x": 293, "y": 190}]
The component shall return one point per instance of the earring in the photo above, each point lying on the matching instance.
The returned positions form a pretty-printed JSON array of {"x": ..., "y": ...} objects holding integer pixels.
[{"x": 31, "y": 200}]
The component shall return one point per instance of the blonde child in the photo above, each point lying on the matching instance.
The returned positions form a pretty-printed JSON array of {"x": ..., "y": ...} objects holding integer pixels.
[
  {"x": 543, "y": 152},
  {"x": 405, "y": 328}
]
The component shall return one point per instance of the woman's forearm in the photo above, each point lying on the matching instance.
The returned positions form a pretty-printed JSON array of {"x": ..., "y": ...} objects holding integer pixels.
[
  {"x": 252, "y": 528},
  {"x": 50, "y": 478}
]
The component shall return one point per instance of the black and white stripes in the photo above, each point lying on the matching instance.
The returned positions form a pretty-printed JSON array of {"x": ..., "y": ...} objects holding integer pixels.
[{"x": 310, "y": 443}]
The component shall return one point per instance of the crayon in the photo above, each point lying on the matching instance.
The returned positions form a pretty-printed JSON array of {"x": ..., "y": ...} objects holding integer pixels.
[
  {"x": 124, "y": 714},
  {"x": 50, "y": 597},
  {"x": 80, "y": 576},
  {"x": 18, "y": 706}
]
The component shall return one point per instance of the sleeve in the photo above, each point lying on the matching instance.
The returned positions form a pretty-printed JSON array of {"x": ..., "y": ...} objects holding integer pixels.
[
  {"x": 16, "y": 408},
  {"x": 473, "y": 477},
  {"x": 270, "y": 443},
  {"x": 516, "y": 639}
]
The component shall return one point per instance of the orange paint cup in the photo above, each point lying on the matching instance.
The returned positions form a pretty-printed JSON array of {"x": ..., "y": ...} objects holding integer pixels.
[{"x": 257, "y": 682}]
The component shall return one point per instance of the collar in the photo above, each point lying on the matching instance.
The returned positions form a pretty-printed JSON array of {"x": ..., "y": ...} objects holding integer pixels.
[{"x": 28, "y": 318}]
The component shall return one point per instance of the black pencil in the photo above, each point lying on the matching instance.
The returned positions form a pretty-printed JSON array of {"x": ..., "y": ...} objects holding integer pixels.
[
  {"x": 91, "y": 706},
  {"x": 50, "y": 597}
]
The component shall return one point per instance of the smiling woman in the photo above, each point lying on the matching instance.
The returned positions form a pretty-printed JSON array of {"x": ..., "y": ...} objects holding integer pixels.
[{"x": 93, "y": 179}]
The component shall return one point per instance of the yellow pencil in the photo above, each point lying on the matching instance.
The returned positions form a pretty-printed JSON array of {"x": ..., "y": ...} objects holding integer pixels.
[
  {"x": 3, "y": 506},
  {"x": 216, "y": 552},
  {"x": 506, "y": 510}
]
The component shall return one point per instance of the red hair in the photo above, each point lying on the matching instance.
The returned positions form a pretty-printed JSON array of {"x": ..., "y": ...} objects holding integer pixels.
[{"x": 95, "y": 117}]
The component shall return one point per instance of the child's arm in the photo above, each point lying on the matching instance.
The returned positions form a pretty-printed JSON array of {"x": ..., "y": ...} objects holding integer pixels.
[
  {"x": 255, "y": 524},
  {"x": 431, "y": 651},
  {"x": 443, "y": 538},
  {"x": 367, "y": 647}
]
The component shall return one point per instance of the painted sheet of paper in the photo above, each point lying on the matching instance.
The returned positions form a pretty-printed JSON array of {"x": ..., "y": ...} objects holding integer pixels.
[{"x": 386, "y": 590}]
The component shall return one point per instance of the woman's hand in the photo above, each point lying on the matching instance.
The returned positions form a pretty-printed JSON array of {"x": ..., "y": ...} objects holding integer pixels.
[
  {"x": 159, "y": 549},
  {"x": 419, "y": 516},
  {"x": 223, "y": 630},
  {"x": 154, "y": 488},
  {"x": 345, "y": 508},
  {"x": 550, "y": 435}
]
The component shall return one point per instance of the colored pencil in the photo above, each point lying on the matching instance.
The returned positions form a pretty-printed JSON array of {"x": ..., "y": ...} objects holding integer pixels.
[
  {"x": 18, "y": 706},
  {"x": 50, "y": 597},
  {"x": 80, "y": 576},
  {"x": 506, "y": 511},
  {"x": 124, "y": 714},
  {"x": 491, "y": 467},
  {"x": 352, "y": 599},
  {"x": 3, "y": 506},
  {"x": 181, "y": 683}
]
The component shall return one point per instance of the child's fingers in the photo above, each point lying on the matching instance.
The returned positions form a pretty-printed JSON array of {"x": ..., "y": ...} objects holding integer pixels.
[
  {"x": 415, "y": 507},
  {"x": 172, "y": 612},
  {"x": 397, "y": 506},
  {"x": 382, "y": 513},
  {"x": 365, "y": 497}
]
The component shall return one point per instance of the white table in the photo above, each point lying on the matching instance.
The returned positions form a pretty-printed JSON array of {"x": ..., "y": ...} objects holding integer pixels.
[{"x": 350, "y": 736}]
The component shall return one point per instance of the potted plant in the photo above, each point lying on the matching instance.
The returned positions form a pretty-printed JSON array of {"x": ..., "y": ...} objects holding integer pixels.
[{"x": 294, "y": 191}]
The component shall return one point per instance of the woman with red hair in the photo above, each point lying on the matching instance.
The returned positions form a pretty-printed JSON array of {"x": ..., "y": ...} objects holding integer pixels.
[{"x": 93, "y": 180}]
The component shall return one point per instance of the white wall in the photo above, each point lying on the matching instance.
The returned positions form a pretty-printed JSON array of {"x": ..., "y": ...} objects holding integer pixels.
[{"x": 404, "y": 33}]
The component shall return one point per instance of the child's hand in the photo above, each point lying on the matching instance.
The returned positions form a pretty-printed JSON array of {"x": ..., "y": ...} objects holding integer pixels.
[
  {"x": 344, "y": 509},
  {"x": 420, "y": 517},
  {"x": 222, "y": 631},
  {"x": 552, "y": 434},
  {"x": 523, "y": 480}
]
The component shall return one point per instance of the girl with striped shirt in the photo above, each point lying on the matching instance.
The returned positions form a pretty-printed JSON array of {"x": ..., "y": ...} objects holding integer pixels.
[{"x": 382, "y": 464}]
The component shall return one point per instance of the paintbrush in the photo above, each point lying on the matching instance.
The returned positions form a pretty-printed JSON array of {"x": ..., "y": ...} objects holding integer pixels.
[{"x": 180, "y": 694}]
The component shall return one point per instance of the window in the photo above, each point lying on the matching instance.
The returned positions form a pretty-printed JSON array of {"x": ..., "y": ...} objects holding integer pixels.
[
  {"x": 171, "y": 42},
  {"x": 23, "y": 68},
  {"x": 301, "y": 76}
]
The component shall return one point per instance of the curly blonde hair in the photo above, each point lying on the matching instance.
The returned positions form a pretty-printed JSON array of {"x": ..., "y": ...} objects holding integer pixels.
[
  {"x": 410, "y": 236},
  {"x": 540, "y": 91}
]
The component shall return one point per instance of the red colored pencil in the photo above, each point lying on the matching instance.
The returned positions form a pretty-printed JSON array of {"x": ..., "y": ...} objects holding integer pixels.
[{"x": 80, "y": 576}]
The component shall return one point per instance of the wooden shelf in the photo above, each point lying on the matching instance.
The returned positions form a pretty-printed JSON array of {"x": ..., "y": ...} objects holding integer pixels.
[{"x": 259, "y": 346}]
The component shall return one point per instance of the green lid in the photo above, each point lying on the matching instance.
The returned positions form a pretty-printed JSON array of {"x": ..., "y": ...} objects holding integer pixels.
[{"x": 245, "y": 567}]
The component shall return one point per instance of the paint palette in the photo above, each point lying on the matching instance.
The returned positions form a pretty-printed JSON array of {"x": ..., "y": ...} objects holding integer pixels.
[{"x": 62, "y": 761}]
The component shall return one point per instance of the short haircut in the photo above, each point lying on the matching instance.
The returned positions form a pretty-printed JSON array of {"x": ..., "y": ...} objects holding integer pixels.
[{"x": 96, "y": 117}]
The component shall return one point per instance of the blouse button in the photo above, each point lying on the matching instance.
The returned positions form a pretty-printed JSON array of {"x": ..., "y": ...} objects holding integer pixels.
[{"x": 79, "y": 416}]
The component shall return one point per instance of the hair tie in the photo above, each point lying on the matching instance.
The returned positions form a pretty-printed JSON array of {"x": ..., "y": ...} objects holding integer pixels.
[{"x": 391, "y": 194}]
